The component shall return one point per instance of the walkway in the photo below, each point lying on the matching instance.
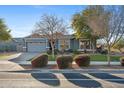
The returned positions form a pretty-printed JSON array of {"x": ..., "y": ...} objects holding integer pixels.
[{"x": 53, "y": 62}]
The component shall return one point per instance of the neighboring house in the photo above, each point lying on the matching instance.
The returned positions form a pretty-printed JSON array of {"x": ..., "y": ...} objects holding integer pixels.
[
  {"x": 36, "y": 43},
  {"x": 15, "y": 44},
  {"x": 7, "y": 46}
]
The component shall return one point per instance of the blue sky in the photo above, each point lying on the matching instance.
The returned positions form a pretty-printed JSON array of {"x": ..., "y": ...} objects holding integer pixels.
[{"x": 21, "y": 19}]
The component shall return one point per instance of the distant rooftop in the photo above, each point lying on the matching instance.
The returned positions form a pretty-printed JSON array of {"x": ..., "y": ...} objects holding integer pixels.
[{"x": 35, "y": 35}]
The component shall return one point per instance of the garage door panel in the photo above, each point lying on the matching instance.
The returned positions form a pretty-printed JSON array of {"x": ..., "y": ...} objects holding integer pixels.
[{"x": 36, "y": 47}]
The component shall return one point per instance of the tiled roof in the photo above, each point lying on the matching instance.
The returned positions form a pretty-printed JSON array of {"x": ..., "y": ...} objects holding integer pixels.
[
  {"x": 34, "y": 36},
  {"x": 35, "y": 39},
  {"x": 59, "y": 35}
]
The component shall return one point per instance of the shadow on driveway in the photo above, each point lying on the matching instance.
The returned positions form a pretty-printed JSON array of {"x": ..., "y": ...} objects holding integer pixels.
[
  {"x": 81, "y": 80},
  {"x": 47, "y": 78},
  {"x": 108, "y": 77}
]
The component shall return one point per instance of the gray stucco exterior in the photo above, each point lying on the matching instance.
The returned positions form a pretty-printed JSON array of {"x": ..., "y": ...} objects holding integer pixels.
[
  {"x": 57, "y": 44},
  {"x": 74, "y": 44},
  {"x": 7, "y": 46},
  {"x": 39, "y": 44}
]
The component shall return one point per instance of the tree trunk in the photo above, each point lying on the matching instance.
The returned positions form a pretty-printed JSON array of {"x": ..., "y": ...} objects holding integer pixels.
[
  {"x": 93, "y": 48},
  {"x": 109, "y": 56},
  {"x": 120, "y": 50},
  {"x": 52, "y": 46},
  {"x": 85, "y": 48},
  {"x": 94, "y": 45}
]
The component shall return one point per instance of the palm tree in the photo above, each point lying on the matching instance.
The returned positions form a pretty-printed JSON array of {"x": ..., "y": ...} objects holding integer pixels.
[{"x": 4, "y": 32}]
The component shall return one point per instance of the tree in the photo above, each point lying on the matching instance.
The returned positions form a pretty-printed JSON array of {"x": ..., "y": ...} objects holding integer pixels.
[
  {"x": 52, "y": 28},
  {"x": 119, "y": 45},
  {"x": 107, "y": 22},
  {"x": 4, "y": 31},
  {"x": 97, "y": 20},
  {"x": 82, "y": 29}
]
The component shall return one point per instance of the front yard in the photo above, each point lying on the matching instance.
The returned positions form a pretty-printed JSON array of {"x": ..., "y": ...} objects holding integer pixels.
[{"x": 95, "y": 57}]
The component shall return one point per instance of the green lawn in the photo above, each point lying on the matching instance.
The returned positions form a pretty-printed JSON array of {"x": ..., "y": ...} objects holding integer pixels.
[
  {"x": 96, "y": 57},
  {"x": 5, "y": 55},
  {"x": 52, "y": 59},
  {"x": 1, "y": 56},
  {"x": 99, "y": 57}
]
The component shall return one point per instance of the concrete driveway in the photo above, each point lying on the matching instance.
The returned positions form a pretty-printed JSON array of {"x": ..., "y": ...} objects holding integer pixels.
[{"x": 24, "y": 57}]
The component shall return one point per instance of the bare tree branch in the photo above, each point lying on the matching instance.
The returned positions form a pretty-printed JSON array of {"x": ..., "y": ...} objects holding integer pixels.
[{"x": 50, "y": 27}]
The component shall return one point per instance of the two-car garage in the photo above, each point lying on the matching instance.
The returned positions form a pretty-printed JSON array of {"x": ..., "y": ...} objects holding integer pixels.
[{"x": 36, "y": 44}]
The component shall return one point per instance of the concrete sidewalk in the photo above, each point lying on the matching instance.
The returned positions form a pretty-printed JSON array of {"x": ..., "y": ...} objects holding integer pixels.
[
  {"x": 9, "y": 66},
  {"x": 54, "y": 62},
  {"x": 61, "y": 80}
]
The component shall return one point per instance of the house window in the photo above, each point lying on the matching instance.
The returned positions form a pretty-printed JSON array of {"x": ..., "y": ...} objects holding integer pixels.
[
  {"x": 84, "y": 44},
  {"x": 64, "y": 44}
]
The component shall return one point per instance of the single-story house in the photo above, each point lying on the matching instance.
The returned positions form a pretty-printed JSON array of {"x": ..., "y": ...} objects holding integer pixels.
[{"x": 36, "y": 43}]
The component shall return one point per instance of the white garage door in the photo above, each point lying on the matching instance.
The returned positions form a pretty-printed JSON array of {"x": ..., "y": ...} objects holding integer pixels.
[{"x": 36, "y": 47}]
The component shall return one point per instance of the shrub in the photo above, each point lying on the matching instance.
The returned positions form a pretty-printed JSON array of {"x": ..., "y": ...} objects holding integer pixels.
[
  {"x": 40, "y": 61},
  {"x": 122, "y": 61},
  {"x": 82, "y": 60},
  {"x": 64, "y": 61}
]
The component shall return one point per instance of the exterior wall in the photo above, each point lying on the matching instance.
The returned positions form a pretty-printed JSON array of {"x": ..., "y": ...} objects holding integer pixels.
[
  {"x": 57, "y": 44},
  {"x": 7, "y": 46},
  {"x": 16, "y": 44},
  {"x": 67, "y": 43},
  {"x": 74, "y": 44},
  {"x": 20, "y": 44},
  {"x": 19, "y": 48}
]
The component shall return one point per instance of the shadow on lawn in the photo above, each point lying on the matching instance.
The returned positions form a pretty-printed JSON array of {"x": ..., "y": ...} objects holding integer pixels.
[
  {"x": 108, "y": 77},
  {"x": 78, "y": 79},
  {"x": 47, "y": 78}
]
